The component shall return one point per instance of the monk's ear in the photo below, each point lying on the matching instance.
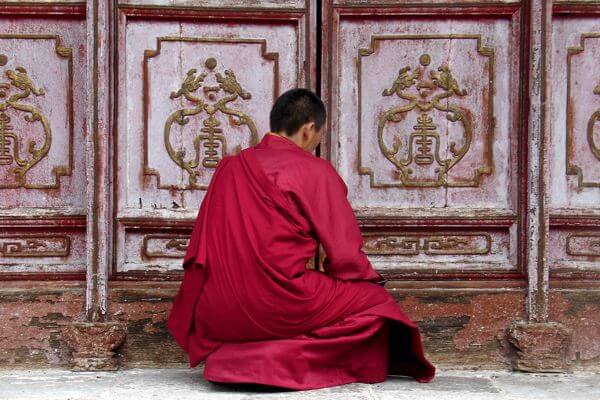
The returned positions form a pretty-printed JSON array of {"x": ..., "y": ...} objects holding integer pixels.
[
  {"x": 310, "y": 126},
  {"x": 305, "y": 131}
]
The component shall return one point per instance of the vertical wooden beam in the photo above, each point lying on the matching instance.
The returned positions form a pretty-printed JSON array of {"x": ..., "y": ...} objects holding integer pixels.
[
  {"x": 541, "y": 345},
  {"x": 99, "y": 184},
  {"x": 539, "y": 19},
  {"x": 96, "y": 340}
]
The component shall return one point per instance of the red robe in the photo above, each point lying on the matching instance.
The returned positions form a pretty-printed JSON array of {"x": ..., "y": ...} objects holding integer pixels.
[{"x": 249, "y": 306}]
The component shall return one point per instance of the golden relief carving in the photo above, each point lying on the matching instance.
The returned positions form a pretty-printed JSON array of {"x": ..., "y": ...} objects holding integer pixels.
[
  {"x": 572, "y": 167},
  {"x": 212, "y": 103},
  {"x": 29, "y": 246},
  {"x": 164, "y": 246},
  {"x": 211, "y": 145},
  {"x": 17, "y": 154},
  {"x": 432, "y": 245},
  {"x": 9, "y": 139},
  {"x": 594, "y": 147},
  {"x": 583, "y": 245},
  {"x": 418, "y": 156}
]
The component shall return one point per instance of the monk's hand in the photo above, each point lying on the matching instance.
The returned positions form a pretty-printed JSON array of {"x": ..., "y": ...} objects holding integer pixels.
[
  {"x": 382, "y": 282},
  {"x": 323, "y": 260}
]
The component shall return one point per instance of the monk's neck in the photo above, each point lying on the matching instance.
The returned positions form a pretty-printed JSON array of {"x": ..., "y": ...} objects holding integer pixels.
[{"x": 293, "y": 140}]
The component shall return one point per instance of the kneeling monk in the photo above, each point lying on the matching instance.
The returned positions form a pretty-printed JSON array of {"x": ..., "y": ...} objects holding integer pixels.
[{"x": 249, "y": 306}]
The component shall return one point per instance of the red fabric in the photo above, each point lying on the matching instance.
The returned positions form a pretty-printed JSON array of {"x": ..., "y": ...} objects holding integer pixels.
[{"x": 248, "y": 305}]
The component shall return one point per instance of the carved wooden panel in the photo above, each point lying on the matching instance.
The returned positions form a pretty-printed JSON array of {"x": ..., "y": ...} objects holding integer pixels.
[
  {"x": 424, "y": 119},
  {"x": 410, "y": 251},
  {"x": 42, "y": 115},
  {"x": 152, "y": 249},
  {"x": 212, "y": 113},
  {"x": 193, "y": 85},
  {"x": 34, "y": 251},
  {"x": 425, "y": 157},
  {"x": 574, "y": 250},
  {"x": 574, "y": 155},
  {"x": 576, "y": 93}
]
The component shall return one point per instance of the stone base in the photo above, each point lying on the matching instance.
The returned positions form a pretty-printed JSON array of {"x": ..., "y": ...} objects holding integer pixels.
[
  {"x": 94, "y": 345},
  {"x": 540, "y": 347}
]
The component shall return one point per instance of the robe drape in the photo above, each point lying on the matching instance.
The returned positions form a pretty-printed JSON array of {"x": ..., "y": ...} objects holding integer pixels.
[{"x": 248, "y": 305}]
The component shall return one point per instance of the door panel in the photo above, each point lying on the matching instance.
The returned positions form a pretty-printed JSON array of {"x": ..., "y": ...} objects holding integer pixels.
[
  {"x": 574, "y": 236},
  {"x": 194, "y": 85},
  {"x": 42, "y": 115},
  {"x": 424, "y": 130}
]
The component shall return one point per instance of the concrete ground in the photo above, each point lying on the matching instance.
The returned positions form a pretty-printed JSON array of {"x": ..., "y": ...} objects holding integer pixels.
[{"x": 188, "y": 384}]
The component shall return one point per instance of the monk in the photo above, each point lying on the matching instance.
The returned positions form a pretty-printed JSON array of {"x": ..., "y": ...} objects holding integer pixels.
[{"x": 248, "y": 305}]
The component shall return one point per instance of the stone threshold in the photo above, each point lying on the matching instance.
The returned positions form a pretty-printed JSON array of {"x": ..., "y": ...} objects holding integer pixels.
[{"x": 188, "y": 384}]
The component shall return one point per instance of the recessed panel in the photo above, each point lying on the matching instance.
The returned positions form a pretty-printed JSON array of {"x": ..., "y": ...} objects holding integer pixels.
[
  {"x": 426, "y": 112},
  {"x": 443, "y": 250},
  {"x": 29, "y": 251},
  {"x": 42, "y": 109},
  {"x": 575, "y": 146},
  {"x": 574, "y": 250}
]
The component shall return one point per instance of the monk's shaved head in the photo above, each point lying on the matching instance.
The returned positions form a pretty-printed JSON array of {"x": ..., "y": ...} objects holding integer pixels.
[{"x": 295, "y": 108}]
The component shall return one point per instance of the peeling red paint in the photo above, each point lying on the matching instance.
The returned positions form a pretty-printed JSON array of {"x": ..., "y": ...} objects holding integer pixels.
[
  {"x": 582, "y": 315},
  {"x": 32, "y": 322}
]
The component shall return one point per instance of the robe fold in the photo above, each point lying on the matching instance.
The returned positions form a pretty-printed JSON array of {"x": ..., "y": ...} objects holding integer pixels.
[{"x": 250, "y": 308}]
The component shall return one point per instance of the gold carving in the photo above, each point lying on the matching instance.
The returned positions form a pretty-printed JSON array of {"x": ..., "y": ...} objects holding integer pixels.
[
  {"x": 16, "y": 155},
  {"x": 209, "y": 101},
  {"x": 590, "y": 129},
  {"x": 164, "y": 246},
  {"x": 583, "y": 245},
  {"x": 423, "y": 164},
  {"x": 212, "y": 143},
  {"x": 432, "y": 245},
  {"x": 572, "y": 168},
  {"x": 29, "y": 246}
]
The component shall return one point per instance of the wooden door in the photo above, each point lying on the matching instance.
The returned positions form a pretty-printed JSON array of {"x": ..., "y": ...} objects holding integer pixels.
[
  {"x": 574, "y": 235},
  {"x": 42, "y": 153},
  {"x": 425, "y": 128},
  {"x": 193, "y": 84}
]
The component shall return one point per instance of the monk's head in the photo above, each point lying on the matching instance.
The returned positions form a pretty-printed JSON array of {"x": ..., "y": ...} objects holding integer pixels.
[{"x": 299, "y": 115}]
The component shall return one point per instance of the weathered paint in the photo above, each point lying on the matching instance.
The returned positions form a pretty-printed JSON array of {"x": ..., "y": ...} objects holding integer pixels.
[
  {"x": 467, "y": 325},
  {"x": 536, "y": 220},
  {"x": 580, "y": 311},
  {"x": 462, "y": 328},
  {"x": 33, "y": 316},
  {"x": 143, "y": 310}
]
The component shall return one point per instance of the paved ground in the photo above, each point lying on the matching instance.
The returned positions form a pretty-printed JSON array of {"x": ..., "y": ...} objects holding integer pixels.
[{"x": 188, "y": 384}]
